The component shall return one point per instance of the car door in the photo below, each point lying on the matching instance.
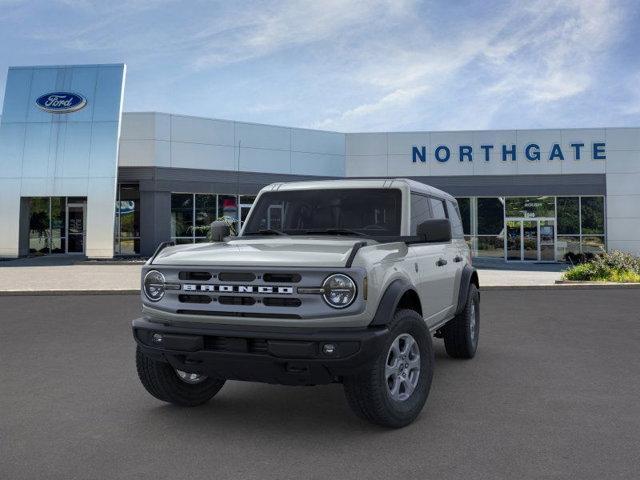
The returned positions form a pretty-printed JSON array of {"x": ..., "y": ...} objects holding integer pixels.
[
  {"x": 447, "y": 264},
  {"x": 459, "y": 245},
  {"x": 432, "y": 276}
]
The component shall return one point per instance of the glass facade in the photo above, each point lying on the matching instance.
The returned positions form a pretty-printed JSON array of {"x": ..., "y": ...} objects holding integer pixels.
[
  {"x": 192, "y": 214},
  {"x": 57, "y": 225},
  {"x": 127, "y": 227},
  {"x": 541, "y": 228}
]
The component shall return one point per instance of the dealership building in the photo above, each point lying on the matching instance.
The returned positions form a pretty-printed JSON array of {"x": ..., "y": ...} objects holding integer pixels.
[{"x": 79, "y": 176}]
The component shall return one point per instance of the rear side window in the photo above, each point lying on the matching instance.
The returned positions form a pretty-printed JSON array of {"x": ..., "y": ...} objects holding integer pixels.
[
  {"x": 457, "y": 230},
  {"x": 437, "y": 208},
  {"x": 420, "y": 211}
]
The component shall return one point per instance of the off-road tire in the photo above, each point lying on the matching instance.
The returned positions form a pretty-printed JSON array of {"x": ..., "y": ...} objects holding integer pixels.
[
  {"x": 460, "y": 338},
  {"x": 161, "y": 381},
  {"x": 368, "y": 394}
]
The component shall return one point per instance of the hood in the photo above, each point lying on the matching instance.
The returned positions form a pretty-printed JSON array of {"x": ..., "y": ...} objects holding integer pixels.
[{"x": 263, "y": 252}]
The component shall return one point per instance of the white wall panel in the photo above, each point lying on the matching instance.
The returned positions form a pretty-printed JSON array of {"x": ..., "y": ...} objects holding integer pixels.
[
  {"x": 303, "y": 163},
  {"x": 366, "y": 166},
  {"x": 264, "y": 160},
  {"x": 632, "y": 246},
  {"x": 198, "y": 155},
  {"x": 313, "y": 141},
  {"x": 623, "y": 161},
  {"x": 495, "y": 165},
  {"x": 623, "y": 229},
  {"x": 202, "y": 130},
  {"x": 140, "y": 153},
  {"x": 623, "y": 139},
  {"x": 401, "y": 165},
  {"x": 139, "y": 126},
  {"x": 263, "y": 136},
  {"x": 367, "y": 144},
  {"x": 402, "y": 143},
  {"x": 623, "y": 184},
  {"x": 623, "y": 206}
]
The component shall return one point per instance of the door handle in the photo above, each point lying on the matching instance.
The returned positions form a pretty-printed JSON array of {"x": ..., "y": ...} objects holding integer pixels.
[
  {"x": 441, "y": 262},
  {"x": 457, "y": 259}
]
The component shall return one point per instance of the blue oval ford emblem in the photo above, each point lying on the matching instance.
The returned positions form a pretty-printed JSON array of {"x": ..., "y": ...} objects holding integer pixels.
[{"x": 61, "y": 102}]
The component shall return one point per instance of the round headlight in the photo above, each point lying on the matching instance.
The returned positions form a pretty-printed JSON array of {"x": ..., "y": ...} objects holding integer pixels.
[
  {"x": 339, "y": 291},
  {"x": 153, "y": 285}
]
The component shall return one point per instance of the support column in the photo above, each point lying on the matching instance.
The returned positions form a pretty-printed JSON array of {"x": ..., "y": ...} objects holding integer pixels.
[{"x": 155, "y": 220}]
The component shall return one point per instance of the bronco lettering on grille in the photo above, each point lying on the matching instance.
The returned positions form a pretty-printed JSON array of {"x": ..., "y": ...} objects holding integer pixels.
[{"x": 191, "y": 287}]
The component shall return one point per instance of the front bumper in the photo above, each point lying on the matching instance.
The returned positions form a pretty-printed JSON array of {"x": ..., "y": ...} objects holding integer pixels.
[{"x": 288, "y": 356}]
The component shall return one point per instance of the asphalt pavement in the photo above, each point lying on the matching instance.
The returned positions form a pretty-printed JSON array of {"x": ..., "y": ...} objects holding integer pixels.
[{"x": 553, "y": 393}]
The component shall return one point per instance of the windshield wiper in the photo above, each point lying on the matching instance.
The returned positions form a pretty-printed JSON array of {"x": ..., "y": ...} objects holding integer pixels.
[
  {"x": 266, "y": 231},
  {"x": 334, "y": 231}
]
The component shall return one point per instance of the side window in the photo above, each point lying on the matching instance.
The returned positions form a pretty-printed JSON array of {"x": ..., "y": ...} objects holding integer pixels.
[
  {"x": 420, "y": 211},
  {"x": 437, "y": 207},
  {"x": 456, "y": 222}
]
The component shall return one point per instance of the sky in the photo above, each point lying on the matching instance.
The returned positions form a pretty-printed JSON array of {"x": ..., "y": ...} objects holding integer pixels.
[{"x": 350, "y": 65}]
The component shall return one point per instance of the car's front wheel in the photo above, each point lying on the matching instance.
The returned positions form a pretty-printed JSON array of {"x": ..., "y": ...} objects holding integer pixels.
[
  {"x": 175, "y": 386},
  {"x": 392, "y": 390}
]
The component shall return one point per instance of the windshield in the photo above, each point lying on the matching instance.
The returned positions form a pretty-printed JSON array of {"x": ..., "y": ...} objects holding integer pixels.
[{"x": 368, "y": 212}]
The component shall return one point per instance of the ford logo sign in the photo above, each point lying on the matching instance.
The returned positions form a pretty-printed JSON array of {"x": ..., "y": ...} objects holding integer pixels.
[{"x": 61, "y": 102}]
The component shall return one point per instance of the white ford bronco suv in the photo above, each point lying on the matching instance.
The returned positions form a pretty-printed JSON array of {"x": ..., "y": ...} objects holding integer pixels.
[{"x": 328, "y": 281}]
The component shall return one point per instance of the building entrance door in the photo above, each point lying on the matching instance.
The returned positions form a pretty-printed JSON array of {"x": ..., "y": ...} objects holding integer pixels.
[
  {"x": 532, "y": 240},
  {"x": 76, "y": 220}
]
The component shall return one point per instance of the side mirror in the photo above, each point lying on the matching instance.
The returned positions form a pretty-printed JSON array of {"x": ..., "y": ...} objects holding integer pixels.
[
  {"x": 219, "y": 230},
  {"x": 435, "y": 230}
]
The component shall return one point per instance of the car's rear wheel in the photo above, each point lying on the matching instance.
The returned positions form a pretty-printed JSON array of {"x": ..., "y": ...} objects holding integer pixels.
[
  {"x": 461, "y": 334},
  {"x": 186, "y": 389},
  {"x": 392, "y": 390}
]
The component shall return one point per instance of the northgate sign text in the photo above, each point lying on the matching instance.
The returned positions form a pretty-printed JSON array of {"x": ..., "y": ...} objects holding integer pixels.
[{"x": 531, "y": 152}]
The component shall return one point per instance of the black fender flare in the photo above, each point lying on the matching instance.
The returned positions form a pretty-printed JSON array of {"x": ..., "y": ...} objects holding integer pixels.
[
  {"x": 389, "y": 302},
  {"x": 469, "y": 276}
]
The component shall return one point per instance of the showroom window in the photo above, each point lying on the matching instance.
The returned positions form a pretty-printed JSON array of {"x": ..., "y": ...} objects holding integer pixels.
[
  {"x": 57, "y": 225},
  {"x": 581, "y": 223},
  {"x": 127, "y": 227},
  {"x": 490, "y": 226},
  {"x": 193, "y": 213}
]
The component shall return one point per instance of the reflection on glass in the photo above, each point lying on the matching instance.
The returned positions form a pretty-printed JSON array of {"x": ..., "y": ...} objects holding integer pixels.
[
  {"x": 58, "y": 216},
  {"x": 228, "y": 207},
  {"x": 181, "y": 214},
  {"x": 464, "y": 205},
  {"x": 490, "y": 216},
  {"x": 547, "y": 241},
  {"x": 530, "y": 240},
  {"x": 568, "y": 216},
  {"x": 593, "y": 244},
  {"x": 530, "y": 207},
  {"x": 568, "y": 244},
  {"x": 592, "y": 215},
  {"x": 39, "y": 225},
  {"x": 491, "y": 246},
  {"x": 205, "y": 210},
  {"x": 514, "y": 240}
]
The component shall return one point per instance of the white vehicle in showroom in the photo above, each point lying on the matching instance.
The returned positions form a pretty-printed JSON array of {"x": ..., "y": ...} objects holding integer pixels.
[{"x": 329, "y": 281}]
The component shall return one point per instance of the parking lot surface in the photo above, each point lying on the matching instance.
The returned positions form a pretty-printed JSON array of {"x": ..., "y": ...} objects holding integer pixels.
[{"x": 553, "y": 393}]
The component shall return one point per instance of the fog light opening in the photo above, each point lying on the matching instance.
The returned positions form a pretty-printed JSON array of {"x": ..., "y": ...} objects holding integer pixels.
[{"x": 329, "y": 348}]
